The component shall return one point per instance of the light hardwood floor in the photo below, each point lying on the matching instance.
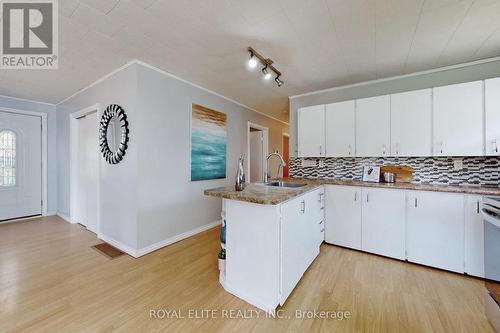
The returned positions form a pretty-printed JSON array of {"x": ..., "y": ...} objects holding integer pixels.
[{"x": 52, "y": 281}]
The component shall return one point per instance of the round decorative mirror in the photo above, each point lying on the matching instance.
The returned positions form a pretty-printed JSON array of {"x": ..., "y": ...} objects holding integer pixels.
[{"x": 113, "y": 134}]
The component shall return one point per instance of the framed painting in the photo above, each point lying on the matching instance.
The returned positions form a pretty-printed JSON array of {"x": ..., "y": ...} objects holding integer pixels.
[{"x": 208, "y": 143}]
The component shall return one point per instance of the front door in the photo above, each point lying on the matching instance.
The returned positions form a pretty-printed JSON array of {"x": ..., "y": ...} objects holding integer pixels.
[{"x": 20, "y": 166}]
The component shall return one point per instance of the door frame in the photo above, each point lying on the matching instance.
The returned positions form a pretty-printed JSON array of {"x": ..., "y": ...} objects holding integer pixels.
[
  {"x": 265, "y": 149},
  {"x": 74, "y": 142},
  {"x": 44, "y": 169}
]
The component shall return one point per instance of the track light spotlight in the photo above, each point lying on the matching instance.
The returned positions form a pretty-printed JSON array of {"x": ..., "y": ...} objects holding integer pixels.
[
  {"x": 252, "y": 62},
  {"x": 278, "y": 81},
  {"x": 266, "y": 73}
]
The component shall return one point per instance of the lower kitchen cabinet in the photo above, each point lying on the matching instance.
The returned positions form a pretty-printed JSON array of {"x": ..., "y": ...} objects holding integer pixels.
[
  {"x": 474, "y": 236},
  {"x": 343, "y": 216},
  {"x": 383, "y": 227},
  {"x": 435, "y": 230}
]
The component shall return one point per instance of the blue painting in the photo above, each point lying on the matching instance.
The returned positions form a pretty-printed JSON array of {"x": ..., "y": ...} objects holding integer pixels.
[{"x": 208, "y": 143}]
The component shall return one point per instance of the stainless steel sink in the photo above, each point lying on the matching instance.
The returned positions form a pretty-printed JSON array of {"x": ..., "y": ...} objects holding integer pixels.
[{"x": 284, "y": 184}]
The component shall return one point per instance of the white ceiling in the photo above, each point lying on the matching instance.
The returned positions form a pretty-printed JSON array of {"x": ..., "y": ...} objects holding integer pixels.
[{"x": 317, "y": 44}]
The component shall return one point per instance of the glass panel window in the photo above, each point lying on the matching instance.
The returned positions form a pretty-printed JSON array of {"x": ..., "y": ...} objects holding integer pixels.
[{"x": 7, "y": 158}]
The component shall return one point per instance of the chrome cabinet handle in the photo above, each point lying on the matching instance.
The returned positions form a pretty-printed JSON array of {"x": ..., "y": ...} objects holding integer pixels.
[
  {"x": 383, "y": 149},
  {"x": 355, "y": 196},
  {"x": 397, "y": 148},
  {"x": 320, "y": 150},
  {"x": 477, "y": 207},
  {"x": 367, "y": 197},
  {"x": 494, "y": 143},
  {"x": 303, "y": 206},
  {"x": 416, "y": 203}
]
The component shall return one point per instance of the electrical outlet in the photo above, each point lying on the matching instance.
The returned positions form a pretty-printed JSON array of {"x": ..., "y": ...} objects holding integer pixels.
[
  {"x": 458, "y": 164},
  {"x": 321, "y": 163}
]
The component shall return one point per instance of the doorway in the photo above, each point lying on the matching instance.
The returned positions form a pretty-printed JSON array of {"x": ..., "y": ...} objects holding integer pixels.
[
  {"x": 84, "y": 168},
  {"x": 257, "y": 152},
  {"x": 21, "y": 162}
]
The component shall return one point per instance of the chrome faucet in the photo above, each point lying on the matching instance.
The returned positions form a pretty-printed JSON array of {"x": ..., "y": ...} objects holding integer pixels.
[{"x": 267, "y": 176}]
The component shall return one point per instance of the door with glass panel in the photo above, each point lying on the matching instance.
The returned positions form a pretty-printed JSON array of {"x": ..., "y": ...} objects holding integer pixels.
[{"x": 20, "y": 166}]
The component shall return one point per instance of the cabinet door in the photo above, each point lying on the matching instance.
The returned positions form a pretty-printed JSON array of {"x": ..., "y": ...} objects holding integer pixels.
[
  {"x": 492, "y": 116},
  {"x": 343, "y": 216},
  {"x": 315, "y": 215},
  {"x": 474, "y": 236},
  {"x": 383, "y": 222},
  {"x": 411, "y": 120},
  {"x": 292, "y": 239},
  {"x": 458, "y": 120},
  {"x": 435, "y": 230},
  {"x": 311, "y": 131},
  {"x": 373, "y": 119},
  {"x": 340, "y": 129}
]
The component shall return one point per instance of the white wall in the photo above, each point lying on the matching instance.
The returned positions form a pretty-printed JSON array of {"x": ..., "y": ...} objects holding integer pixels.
[
  {"x": 169, "y": 203},
  {"x": 118, "y": 198},
  {"x": 50, "y": 110},
  {"x": 148, "y": 198},
  {"x": 457, "y": 75}
]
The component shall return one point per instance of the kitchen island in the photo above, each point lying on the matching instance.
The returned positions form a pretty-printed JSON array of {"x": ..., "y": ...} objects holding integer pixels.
[{"x": 273, "y": 234}]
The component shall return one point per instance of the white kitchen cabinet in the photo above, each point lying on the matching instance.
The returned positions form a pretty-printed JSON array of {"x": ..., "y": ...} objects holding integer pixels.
[
  {"x": 492, "y": 116},
  {"x": 343, "y": 216},
  {"x": 411, "y": 123},
  {"x": 300, "y": 219},
  {"x": 340, "y": 122},
  {"x": 435, "y": 230},
  {"x": 315, "y": 215},
  {"x": 311, "y": 131},
  {"x": 458, "y": 119},
  {"x": 373, "y": 126},
  {"x": 474, "y": 236},
  {"x": 383, "y": 222}
]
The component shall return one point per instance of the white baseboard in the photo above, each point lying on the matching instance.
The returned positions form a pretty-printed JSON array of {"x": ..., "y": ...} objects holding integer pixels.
[
  {"x": 175, "y": 239},
  {"x": 119, "y": 245},
  {"x": 64, "y": 217},
  {"x": 148, "y": 249}
]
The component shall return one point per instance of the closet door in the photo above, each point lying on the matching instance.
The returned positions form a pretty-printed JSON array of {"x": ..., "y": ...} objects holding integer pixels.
[{"x": 340, "y": 122}]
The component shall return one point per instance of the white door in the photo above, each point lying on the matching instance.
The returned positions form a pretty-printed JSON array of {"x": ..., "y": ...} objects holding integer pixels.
[
  {"x": 435, "y": 230},
  {"x": 87, "y": 177},
  {"x": 343, "y": 216},
  {"x": 474, "y": 236},
  {"x": 492, "y": 116},
  {"x": 383, "y": 222},
  {"x": 20, "y": 166},
  {"x": 373, "y": 126},
  {"x": 411, "y": 120},
  {"x": 311, "y": 131},
  {"x": 256, "y": 159},
  {"x": 340, "y": 122},
  {"x": 458, "y": 119}
]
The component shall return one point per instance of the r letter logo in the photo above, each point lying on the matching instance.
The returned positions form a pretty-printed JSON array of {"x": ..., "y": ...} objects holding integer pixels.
[{"x": 29, "y": 34}]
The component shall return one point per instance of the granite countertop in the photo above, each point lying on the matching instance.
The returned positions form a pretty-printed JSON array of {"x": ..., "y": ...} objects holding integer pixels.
[{"x": 268, "y": 195}]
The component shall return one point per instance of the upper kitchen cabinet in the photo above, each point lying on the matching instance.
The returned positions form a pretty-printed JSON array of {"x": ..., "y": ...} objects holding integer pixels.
[
  {"x": 373, "y": 129},
  {"x": 311, "y": 131},
  {"x": 411, "y": 123},
  {"x": 340, "y": 122},
  {"x": 458, "y": 120},
  {"x": 492, "y": 116}
]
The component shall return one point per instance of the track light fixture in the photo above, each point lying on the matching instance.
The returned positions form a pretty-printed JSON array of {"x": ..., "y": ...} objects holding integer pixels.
[{"x": 268, "y": 66}]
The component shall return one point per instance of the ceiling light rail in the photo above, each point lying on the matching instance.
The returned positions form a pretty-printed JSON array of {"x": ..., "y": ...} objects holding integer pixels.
[{"x": 255, "y": 58}]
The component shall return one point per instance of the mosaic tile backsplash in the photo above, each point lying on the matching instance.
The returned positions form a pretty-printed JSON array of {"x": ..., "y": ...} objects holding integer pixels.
[{"x": 433, "y": 170}]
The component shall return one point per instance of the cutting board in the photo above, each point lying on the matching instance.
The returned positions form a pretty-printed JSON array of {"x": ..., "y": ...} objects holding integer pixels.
[{"x": 403, "y": 173}]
